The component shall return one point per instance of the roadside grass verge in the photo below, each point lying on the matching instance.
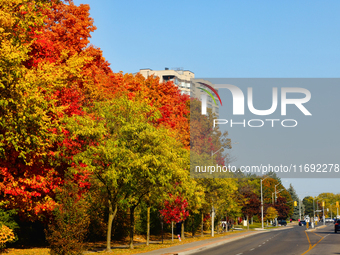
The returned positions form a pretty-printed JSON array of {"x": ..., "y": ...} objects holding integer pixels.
[{"x": 121, "y": 248}]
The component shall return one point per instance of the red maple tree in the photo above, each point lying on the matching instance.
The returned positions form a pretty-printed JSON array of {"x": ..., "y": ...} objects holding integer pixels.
[{"x": 175, "y": 209}]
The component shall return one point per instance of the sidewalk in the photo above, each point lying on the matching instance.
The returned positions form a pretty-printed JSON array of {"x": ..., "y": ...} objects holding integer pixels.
[{"x": 197, "y": 246}]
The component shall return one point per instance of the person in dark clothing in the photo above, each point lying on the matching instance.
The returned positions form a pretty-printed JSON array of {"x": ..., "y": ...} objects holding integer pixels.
[{"x": 179, "y": 230}]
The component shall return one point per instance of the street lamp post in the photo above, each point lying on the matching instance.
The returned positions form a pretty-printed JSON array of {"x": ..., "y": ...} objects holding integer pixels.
[
  {"x": 262, "y": 201},
  {"x": 275, "y": 190},
  {"x": 213, "y": 153}
]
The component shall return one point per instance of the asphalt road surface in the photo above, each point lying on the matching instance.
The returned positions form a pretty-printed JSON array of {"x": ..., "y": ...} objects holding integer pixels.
[{"x": 294, "y": 240}]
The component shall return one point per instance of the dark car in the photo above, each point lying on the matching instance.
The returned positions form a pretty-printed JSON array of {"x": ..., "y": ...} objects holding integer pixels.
[
  {"x": 302, "y": 223},
  {"x": 282, "y": 223},
  {"x": 337, "y": 225}
]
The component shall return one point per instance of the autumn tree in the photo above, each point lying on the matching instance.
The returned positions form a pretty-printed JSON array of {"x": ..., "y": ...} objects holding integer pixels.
[
  {"x": 294, "y": 196},
  {"x": 330, "y": 200},
  {"x": 308, "y": 203},
  {"x": 271, "y": 213},
  {"x": 175, "y": 210},
  {"x": 282, "y": 208},
  {"x": 206, "y": 139},
  {"x": 128, "y": 154},
  {"x": 252, "y": 206},
  {"x": 31, "y": 109}
]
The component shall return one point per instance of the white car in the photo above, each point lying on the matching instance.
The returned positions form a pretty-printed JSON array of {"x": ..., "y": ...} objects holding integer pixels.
[{"x": 329, "y": 220}]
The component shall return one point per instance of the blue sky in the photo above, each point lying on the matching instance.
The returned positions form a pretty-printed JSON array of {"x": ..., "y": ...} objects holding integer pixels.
[{"x": 223, "y": 39}]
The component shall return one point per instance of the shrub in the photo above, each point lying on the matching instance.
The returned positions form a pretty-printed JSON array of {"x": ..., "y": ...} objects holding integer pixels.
[
  {"x": 69, "y": 226},
  {"x": 6, "y": 235}
]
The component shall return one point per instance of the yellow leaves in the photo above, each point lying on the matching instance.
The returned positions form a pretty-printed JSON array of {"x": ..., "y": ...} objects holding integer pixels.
[
  {"x": 6, "y": 235},
  {"x": 271, "y": 213}
]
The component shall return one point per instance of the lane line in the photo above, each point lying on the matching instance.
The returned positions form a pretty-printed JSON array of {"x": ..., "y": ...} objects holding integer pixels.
[
  {"x": 316, "y": 234},
  {"x": 312, "y": 246},
  {"x": 252, "y": 249}
]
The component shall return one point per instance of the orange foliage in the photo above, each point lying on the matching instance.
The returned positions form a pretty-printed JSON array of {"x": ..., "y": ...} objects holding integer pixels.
[
  {"x": 31, "y": 188},
  {"x": 173, "y": 106}
]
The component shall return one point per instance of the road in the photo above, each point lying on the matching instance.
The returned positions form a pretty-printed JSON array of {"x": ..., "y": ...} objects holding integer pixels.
[{"x": 293, "y": 240}]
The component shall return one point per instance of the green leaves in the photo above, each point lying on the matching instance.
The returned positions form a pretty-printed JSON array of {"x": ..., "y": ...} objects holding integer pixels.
[{"x": 125, "y": 151}]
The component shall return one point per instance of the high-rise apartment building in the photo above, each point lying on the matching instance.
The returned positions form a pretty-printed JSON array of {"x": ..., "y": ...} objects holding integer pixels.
[{"x": 186, "y": 82}]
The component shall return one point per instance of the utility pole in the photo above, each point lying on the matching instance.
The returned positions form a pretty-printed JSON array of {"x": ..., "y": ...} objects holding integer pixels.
[
  {"x": 212, "y": 220},
  {"x": 300, "y": 208},
  {"x": 323, "y": 212},
  {"x": 262, "y": 201}
]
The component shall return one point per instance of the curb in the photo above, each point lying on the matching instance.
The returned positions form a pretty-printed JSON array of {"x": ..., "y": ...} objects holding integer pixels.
[{"x": 310, "y": 230}]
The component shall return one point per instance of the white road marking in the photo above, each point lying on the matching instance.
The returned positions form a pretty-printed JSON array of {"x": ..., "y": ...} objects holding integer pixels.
[{"x": 252, "y": 249}]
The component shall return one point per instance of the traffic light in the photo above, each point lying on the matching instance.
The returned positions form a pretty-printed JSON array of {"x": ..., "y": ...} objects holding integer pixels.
[
  {"x": 295, "y": 203},
  {"x": 323, "y": 203},
  {"x": 337, "y": 204}
]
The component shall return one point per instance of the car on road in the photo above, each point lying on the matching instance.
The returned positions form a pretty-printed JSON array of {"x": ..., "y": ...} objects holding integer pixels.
[
  {"x": 302, "y": 223},
  {"x": 337, "y": 226},
  {"x": 282, "y": 223},
  {"x": 329, "y": 220}
]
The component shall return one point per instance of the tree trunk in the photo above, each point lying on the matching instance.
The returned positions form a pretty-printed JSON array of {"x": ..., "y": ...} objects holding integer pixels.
[
  {"x": 247, "y": 222},
  {"x": 218, "y": 226},
  {"x": 148, "y": 226},
  {"x": 252, "y": 222},
  {"x": 112, "y": 215},
  {"x": 192, "y": 226},
  {"x": 202, "y": 225},
  {"x": 182, "y": 234},
  {"x": 132, "y": 224},
  {"x": 172, "y": 231}
]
